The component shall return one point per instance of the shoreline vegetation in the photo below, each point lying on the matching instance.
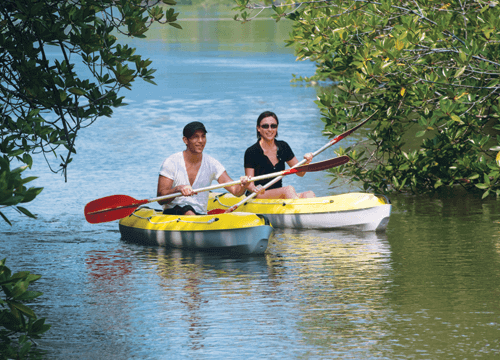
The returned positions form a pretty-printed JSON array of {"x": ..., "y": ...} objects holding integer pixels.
[
  {"x": 200, "y": 19},
  {"x": 206, "y": 10}
]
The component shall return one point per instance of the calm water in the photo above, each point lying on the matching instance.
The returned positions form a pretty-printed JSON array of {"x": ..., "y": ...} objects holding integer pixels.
[{"x": 428, "y": 288}]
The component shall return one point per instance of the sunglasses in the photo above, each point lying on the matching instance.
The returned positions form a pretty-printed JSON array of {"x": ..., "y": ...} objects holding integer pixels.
[{"x": 266, "y": 126}]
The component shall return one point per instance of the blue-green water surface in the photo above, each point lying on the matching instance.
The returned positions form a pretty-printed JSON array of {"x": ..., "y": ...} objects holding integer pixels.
[{"x": 427, "y": 288}]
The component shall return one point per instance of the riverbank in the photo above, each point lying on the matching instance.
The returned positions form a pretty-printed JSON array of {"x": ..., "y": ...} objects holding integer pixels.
[{"x": 222, "y": 11}]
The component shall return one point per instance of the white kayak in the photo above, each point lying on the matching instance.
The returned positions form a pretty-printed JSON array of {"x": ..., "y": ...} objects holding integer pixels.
[{"x": 355, "y": 211}]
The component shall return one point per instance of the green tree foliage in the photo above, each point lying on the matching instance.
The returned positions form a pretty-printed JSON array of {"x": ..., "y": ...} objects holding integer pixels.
[
  {"x": 428, "y": 73},
  {"x": 19, "y": 326},
  {"x": 61, "y": 68}
]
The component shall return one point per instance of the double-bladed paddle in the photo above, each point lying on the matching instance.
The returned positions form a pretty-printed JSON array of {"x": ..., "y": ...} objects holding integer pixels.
[
  {"x": 115, "y": 207},
  {"x": 333, "y": 141}
]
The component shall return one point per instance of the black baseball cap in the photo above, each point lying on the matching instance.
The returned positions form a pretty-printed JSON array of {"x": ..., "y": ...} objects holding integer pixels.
[{"x": 191, "y": 128}]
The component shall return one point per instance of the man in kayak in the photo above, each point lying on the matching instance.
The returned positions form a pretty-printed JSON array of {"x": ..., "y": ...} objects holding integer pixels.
[{"x": 188, "y": 169}]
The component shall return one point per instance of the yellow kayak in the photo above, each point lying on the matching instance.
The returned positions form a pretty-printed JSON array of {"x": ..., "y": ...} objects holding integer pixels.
[
  {"x": 357, "y": 211},
  {"x": 241, "y": 233}
]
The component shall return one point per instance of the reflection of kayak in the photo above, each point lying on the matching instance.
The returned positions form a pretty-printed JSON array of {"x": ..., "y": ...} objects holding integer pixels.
[
  {"x": 358, "y": 211},
  {"x": 236, "y": 232}
]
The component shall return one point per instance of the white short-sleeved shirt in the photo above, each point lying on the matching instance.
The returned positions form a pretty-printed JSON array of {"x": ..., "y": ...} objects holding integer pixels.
[{"x": 174, "y": 168}]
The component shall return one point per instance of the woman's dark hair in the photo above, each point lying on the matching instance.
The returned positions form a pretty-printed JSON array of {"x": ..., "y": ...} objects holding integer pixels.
[{"x": 263, "y": 116}]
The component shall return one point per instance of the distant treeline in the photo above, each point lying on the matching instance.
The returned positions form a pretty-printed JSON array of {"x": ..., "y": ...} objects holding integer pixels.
[{"x": 206, "y": 3}]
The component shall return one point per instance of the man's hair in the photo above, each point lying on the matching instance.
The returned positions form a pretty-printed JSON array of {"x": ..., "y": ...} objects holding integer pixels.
[{"x": 191, "y": 128}]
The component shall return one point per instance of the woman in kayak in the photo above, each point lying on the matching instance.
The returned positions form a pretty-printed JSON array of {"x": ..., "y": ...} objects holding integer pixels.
[{"x": 269, "y": 155}]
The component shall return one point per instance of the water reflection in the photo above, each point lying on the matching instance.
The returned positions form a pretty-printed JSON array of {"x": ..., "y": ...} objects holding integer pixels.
[
  {"x": 314, "y": 294},
  {"x": 108, "y": 269},
  {"x": 339, "y": 283},
  {"x": 205, "y": 292},
  {"x": 446, "y": 281},
  {"x": 324, "y": 286}
]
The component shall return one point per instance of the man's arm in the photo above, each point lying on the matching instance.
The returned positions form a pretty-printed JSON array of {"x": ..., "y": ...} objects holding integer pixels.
[
  {"x": 250, "y": 172},
  {"x": 165, "y": 188},
  {"x": 236, "y": 190}
]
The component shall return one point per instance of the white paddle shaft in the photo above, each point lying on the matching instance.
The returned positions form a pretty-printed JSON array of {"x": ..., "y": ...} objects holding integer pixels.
[{"x": 237, "y": 182}]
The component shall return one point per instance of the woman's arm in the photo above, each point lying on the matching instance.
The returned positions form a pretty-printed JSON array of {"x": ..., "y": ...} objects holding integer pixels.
[{"x": 294, "y": 161}]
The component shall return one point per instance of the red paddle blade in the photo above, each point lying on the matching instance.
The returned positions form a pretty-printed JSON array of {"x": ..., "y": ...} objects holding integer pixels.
[
  {"x": 319, "y": 166},
  {"x": 111, "y": 208},
  {"x": 328, "y": 164},
  {"x": 216, "y": 211}
]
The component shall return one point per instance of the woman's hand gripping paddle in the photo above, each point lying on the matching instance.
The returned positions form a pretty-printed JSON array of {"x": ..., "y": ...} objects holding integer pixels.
[
  {"x": 333, "y": 141},
  {"x": 116, "y": 207}
]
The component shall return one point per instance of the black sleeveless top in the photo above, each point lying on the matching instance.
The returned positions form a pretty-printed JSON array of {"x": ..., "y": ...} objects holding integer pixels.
[{"x": 255, "y": 159}]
